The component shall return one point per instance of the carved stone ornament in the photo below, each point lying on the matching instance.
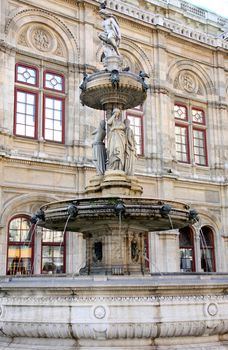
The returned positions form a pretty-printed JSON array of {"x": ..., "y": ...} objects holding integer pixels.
[
  {"x": 22, "y": 40},
  {"x": 188, "y": 82},
  {"x": 99, "y": 312},
  {"x": 212, "y": 309},
  {"x": 41, "y": 39}
]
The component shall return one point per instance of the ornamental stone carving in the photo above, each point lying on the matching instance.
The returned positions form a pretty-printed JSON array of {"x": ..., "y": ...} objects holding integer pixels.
[
  {"x": 212, "y": 309},
  {"x": 41, "y": 39},
  {"x": 99, "y": 312},
  {"x": 188, "y": 82}
]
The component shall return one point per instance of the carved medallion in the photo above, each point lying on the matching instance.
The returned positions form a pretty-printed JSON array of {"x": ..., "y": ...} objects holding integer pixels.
[
  {"x": 41, "y": 39},
  {"x": 188, "y": 82},
  {"x": 99, "y": 312},
  {"x": 212, "y": 309}
]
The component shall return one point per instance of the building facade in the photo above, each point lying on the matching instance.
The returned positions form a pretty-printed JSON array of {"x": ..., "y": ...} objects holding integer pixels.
[{"x": 46, "y": 133}]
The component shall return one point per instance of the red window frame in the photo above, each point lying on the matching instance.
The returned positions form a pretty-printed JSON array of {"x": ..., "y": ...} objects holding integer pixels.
[
  {"x": 210, "y": 248},
  {"x": 137, "y": 112},
  {"x": 186, "y": 109},
  {"x": 20, "y": 244},
  {"x": 57, "y": 74},
  {"x": 35, "y": 93},
  {"x": 184, "y": 126},
  {"x": 191, "y": 125},
  {"x": 29, "y": 67},
  {"x": 39, "y": 92},
  {"x": 204, "y": 147},
  {"x": 54, "y": 244},
  {"x": 188, "y": 230},
  {"x": 203, "y": 112},
  {"x": 62, "y": 99}
]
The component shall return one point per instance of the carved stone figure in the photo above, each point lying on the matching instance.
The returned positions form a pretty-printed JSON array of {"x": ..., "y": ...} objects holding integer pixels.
[
  {"x": 142, "y": 76},
  {"x": 115, "y": 78},
  {"x": 99, "y": 151},
  {"x": 111, "y": 35},
  {"x": 83, "y": 84},
  {"x": 116, "y": 141},
  {"x": 130, "y": 149}
]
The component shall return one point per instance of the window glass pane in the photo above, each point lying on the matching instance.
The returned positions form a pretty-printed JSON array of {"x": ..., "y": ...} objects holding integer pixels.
[
  {"x": 19, "y": 228},
  {"x": 49, "y": 113},
  {"x": 54, "y": 81},
  {"x": 49, "y": 123},
  {"x": 20, "y": 118},
  {"x": 57, "y": 125},
  {"x": 30, "y": 120},
  {"x": 49, "y": 102},
  {"x": 19, "y": 256},
  {"x": 49, "y": 134},
  {"x": 207, "y": 249},
  {"x": 26, "y": 75},
  {"x": 182, "y": 143},
  {"x": 30, "y": 99},
  {"x": 57, "y": 136},
  {"x": 136, "y": 127},
  {"x": 21, "y": 96},
  {"x": 20, "y": 130},
  {"x": 19, "y": 260},
  {"x": 186, "y": 244},
  {"x": 29, "y": 131},
  {"x": 180, "y": 112},
  {"x": 58, "y": 115},
  {"x": 21, "y": 107},
  {"x": 186, "y": 260},
  {"x": 197, "y": 116},
  {"x": 52, "y": 251},
  {"x": 25, "y": 114},
  {"x": 199, "y": 147},
  {"x": 52, "y": 236},
  {"x": 58, "y": 105},
  {"x": 53, "y": 120},
  {"x": 30, "y": 109}
]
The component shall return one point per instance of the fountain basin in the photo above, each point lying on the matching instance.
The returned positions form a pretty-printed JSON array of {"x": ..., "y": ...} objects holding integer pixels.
[
  {"x": 100, "y": 92},
  {"x": 144, "y": 213}
]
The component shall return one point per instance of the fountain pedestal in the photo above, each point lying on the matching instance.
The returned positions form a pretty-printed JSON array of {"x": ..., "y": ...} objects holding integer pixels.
[
  {"x": 116, "y": 249},
  {"x": 114, "y": 182}
]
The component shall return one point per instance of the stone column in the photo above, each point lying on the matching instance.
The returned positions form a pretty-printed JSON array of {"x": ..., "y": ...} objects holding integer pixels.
[
  {"x": 75, "y": 252},
  {"x": 197, "y": 251},
  {"x": 164, "y": 251}
]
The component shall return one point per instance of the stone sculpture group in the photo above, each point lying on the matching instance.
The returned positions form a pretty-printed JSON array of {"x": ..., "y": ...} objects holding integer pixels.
[{"x": 121, "y": 148}]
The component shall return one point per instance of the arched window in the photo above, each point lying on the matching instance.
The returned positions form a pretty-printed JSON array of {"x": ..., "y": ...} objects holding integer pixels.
[
  {"x": 20, "y": 246},
  {"x": 53, "y": 252},
  {"x": 35, "y": 87},
  {"x": 187, "y": 255},
  {"x": 207, "y": 249},
  {"x": 190, "y": 134}
]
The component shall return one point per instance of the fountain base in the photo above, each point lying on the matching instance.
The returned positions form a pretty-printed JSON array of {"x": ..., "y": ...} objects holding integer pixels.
[{"x": 114, "y": 182}]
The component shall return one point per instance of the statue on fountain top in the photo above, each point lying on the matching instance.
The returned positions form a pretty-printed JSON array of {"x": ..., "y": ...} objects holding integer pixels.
[{"x": 111, "y": 35}]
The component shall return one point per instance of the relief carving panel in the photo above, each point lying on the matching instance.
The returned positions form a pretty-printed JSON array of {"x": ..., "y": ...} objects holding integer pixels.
[
  {"x": 188, "y": 82},
  {"x": 43, "y": 39}
]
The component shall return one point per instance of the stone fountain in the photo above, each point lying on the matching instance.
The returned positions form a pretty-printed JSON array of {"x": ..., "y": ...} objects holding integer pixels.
[
  {"x": 107, "y": 309},
  {"x": 113, "y": 216}
]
